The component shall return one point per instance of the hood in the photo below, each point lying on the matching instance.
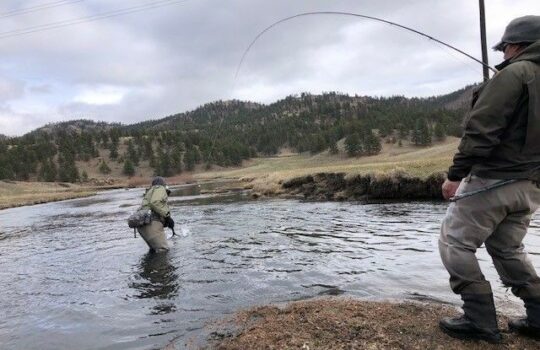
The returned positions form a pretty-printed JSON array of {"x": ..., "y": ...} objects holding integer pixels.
[{"x": 531, "y": 53}]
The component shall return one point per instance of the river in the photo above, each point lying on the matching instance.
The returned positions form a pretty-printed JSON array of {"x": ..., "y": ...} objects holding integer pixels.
[{"x": 73, "y": 275}]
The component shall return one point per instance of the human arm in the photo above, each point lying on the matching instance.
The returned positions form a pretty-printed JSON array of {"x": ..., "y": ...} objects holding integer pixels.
[
  {"x": 487, "y": 120},
  {"x": 158, "y": 202}
]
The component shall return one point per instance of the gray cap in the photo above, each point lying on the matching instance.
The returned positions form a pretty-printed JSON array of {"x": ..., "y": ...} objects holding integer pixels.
[
  {"x": 158, "y": 181},
  {"x": 524, "y": 29}
]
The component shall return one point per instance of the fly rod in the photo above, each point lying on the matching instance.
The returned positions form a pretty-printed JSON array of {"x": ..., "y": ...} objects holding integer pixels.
[{"x": 340, "y": 13}]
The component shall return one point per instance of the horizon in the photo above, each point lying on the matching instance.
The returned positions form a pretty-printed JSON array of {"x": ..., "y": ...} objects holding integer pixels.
[{"x": 120, "y": 123}]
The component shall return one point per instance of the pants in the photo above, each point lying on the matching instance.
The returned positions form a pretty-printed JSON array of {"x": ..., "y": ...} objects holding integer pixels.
[
  {"x": 154, "y": 236},
  {"x": 498, "y": 218}
]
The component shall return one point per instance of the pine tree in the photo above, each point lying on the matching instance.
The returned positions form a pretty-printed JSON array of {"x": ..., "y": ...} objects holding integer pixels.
[
  {"x": 353, "y": 145},
  {"x": 129, "y": 169},
  {"x": 439, "y": 132},
  {"x": 372, "y": 144},
  {"x": 48, "y": 171},
  {"x": 104, "y": 168}
]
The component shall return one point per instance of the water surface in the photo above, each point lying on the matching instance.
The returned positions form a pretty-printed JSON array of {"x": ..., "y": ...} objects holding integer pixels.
[{"x": 74, "y": 276}]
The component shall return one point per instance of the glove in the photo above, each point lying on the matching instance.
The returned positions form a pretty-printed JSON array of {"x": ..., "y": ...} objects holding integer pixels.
[{"x": 169, "y": 222}]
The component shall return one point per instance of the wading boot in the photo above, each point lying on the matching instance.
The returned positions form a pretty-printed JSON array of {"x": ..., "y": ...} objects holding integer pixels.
[
  {"x": 530, "y": 325},
  {"x": 479, "y": 321}
]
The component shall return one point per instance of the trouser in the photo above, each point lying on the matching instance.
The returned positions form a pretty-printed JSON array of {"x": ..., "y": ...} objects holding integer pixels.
[
  {"x": 154, "y": 235},
  {"x": 499, "y": 218}
]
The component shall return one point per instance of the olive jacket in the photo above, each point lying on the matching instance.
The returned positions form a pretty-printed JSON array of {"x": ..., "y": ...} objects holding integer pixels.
[
  {"x": 155, "y": 199},
  {"x": 501, "y": 138}
]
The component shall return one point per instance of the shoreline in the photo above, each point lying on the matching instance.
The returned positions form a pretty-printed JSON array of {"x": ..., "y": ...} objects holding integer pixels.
[
  {"x": 348, "y": 323},
  {"x": 326, "y": 186},
  {"x": 395, "y": 185},
  {"x": 14, "y": 194}
]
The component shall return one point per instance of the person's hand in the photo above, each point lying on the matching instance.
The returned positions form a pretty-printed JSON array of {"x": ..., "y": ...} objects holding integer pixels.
[
  {"x": 449, "y": 188},
  {"x": 169, "y": 222}
]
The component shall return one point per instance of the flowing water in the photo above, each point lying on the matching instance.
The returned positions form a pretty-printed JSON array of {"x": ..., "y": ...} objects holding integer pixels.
[{"x": 73, "y": 275}]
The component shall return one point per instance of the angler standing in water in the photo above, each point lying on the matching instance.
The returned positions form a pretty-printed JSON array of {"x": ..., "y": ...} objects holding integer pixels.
[
  {"x": 155, "y": 199},
  {"x": 501, "y": 141}
]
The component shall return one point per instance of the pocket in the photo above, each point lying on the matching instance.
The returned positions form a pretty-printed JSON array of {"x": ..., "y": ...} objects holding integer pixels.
[{"x": 532, "y": 145}]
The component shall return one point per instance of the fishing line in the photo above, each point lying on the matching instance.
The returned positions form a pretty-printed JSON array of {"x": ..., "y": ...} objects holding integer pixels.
[{"x": 353, "y": 15}]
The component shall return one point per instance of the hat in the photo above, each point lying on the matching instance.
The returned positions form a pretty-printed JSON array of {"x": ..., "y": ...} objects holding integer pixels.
[
  {"x": 158, "y": 181},
  {"x": 524, "y": 29}
]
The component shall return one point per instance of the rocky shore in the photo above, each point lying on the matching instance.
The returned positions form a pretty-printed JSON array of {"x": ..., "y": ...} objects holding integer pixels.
[{"x": 339, "y": 187}]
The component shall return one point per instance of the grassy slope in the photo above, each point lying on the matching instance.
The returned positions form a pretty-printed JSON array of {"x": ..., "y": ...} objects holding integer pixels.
[{"x": 414, "y": 160}]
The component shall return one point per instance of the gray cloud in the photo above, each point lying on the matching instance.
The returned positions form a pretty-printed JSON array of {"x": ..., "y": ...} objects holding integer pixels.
[{"x": 172, "y": 59}]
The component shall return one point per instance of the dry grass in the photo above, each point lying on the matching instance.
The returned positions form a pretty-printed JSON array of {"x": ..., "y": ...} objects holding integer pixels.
[
  {"x": 344, "y": 323},
  {"x": 267, "y": 173},
  {"x": 16, "y": 193}
]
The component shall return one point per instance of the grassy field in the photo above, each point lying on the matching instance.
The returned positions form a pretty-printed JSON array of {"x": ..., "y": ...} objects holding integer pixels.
[{"x": 267, "y": 173}]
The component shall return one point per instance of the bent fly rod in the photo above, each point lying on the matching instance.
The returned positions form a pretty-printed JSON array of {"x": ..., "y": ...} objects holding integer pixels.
[{"x": 340, "y": 13}]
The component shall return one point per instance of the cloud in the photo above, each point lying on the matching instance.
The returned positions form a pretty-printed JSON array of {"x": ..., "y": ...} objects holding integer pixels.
[
  {"x": 101, "y": 95},
  {"x": 168, "y": 60}
]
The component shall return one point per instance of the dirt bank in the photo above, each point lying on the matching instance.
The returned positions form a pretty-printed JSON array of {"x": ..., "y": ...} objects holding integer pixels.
[
  {"x": 339, "y": 186},
  {"x": 343, "y": 323}
]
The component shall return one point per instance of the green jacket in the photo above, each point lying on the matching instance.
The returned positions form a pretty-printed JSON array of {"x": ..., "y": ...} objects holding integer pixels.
[
  {"x": 155, "y": 199},
  {"x": 501, "y": 138}
]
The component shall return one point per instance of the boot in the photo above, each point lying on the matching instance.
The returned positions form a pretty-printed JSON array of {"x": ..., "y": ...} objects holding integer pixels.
[
  {"x": 479, "y": 321},
  {"x": 530, "y": 325}
]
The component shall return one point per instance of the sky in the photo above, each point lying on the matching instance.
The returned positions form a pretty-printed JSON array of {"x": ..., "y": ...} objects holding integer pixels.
[{"x": 133, "y": 60}]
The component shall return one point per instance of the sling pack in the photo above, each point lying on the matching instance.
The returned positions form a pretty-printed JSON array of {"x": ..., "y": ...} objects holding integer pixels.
[{"x": 140, "y": 218}]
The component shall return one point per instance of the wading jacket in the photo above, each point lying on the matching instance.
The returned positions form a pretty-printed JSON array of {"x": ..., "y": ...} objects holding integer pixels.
[
  {"x": 501, "y": 138},
  {"x": 155, "y": 199}
]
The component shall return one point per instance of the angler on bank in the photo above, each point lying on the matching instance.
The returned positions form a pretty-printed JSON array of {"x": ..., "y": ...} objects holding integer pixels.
[{"x": 501, "y": 141}]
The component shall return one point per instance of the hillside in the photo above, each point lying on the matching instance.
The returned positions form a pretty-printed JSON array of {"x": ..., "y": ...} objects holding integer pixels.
[{"x": 226, "y": 133}]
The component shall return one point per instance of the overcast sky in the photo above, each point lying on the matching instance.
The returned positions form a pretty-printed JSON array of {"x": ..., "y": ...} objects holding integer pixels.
[{"x": 169, "y": 59}]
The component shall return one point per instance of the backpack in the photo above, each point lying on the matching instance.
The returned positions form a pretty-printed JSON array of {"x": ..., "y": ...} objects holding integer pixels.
[{"x": 140, "y": 218}]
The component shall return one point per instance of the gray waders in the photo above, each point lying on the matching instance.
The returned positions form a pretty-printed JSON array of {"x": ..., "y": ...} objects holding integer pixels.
[{"x": 154, "y": 235}]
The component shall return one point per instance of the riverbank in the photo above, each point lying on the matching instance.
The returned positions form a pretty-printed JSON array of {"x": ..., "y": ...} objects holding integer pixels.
[
  {"x": 396, "y": 173},
  {"x": 345, "y": 323},
  {"x": 406, "y": 172},
  {"x": 21, "y": 193},
  {"x": 18, "y": 193},
  {"x": 338, "y": 186}
]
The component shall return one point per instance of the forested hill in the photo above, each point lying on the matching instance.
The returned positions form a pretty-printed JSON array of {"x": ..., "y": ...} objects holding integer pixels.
[{"x": 226, "y": 132}]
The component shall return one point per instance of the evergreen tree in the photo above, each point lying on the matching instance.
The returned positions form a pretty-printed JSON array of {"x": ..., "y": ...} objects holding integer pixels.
[
  {"x": 439, "y": 132},
  {"x": 353, "y": 145},
  {"x": 189, "y": 159},
  {"x": 129, "y": 169},
  {"x": 132, "y": 153},
  {"x": 421, "y": 133},
  {"x": 48, "y": 171},
  {"x": 372, "y": 144},
  {"x": 104, "y": 168},
  {"x": 113, "y": 149}
]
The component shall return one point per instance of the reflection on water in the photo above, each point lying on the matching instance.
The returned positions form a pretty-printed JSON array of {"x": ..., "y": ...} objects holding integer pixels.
[
  {"x": 75, "y": 277},
  {"x": 158, "y": 280}
]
